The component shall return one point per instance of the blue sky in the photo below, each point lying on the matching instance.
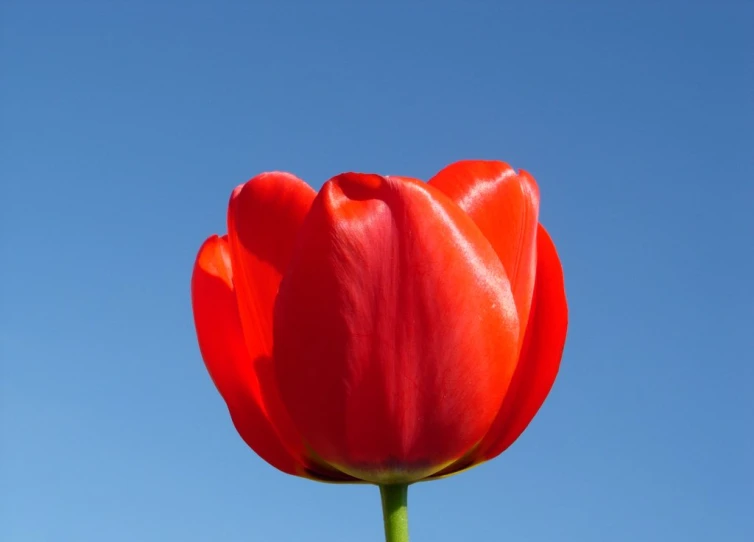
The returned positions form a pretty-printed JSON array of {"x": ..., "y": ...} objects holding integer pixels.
[{"x": 126, "y": 124}]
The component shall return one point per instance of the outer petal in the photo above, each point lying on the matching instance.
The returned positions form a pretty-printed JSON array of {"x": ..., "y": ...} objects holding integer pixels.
[
  {"x": 540, "y": 356},
  {"x": 218, "y": 328},
  {"x": 505, "y": 206},
  {"x": 396, "y": 334},
  {"x": 264, "y": 216}
]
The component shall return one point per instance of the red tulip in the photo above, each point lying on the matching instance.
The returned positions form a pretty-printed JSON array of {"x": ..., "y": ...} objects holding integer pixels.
[{"x": 384, "y": 330}]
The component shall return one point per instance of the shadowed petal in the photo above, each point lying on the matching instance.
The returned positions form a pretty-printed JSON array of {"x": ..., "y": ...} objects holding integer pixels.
[
  {"x": 221, "y": 342},
  {"x": 264, "y": 216}
]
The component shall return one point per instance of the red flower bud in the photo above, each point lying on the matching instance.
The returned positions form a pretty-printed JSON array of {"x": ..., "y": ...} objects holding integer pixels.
[{"x": 384, "y": 330}]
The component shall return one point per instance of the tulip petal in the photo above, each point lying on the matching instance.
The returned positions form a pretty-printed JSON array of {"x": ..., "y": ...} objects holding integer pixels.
[
  {"x": 221, "y": 342},
  {"x": 264, "y": 217},
  {"x": 505, "y": 206},
  {"x": 396, "y": 333},
  {"x": 540, "y": 356}
]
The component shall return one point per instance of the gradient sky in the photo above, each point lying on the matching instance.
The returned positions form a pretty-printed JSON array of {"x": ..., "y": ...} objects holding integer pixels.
[{"x": 126, "y": 124}]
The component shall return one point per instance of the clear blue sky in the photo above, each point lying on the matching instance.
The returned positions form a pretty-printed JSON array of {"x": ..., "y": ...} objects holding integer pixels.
[{"x": 126, "y": 124}]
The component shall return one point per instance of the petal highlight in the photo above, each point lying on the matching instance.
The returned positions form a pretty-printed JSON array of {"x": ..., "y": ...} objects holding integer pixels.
[{"x": 505, "y": 206}]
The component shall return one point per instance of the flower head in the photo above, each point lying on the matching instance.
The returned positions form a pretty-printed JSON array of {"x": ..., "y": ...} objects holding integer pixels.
[{"x": 384, "y": 330}]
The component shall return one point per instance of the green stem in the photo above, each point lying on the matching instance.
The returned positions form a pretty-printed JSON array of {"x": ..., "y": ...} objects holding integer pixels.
[{"x": 395, "y": 512}]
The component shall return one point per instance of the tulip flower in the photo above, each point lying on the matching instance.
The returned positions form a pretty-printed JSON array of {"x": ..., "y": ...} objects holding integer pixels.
[{"x": 384, "y": 330}]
